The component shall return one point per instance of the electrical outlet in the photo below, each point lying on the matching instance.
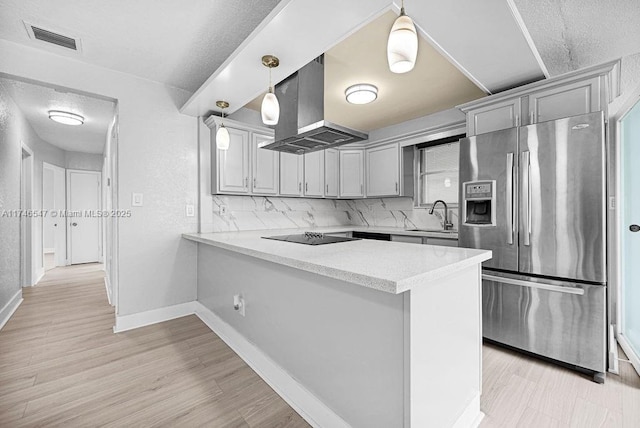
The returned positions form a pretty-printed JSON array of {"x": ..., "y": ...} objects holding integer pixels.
[
  {"x": 191, "y": 210},
  {"x": 223, "y": 210},
  {"x": 238, "y": 304},
  {"x": 136, "y": 199}
]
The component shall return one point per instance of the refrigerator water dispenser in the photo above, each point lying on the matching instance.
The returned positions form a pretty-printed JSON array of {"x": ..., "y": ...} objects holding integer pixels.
[{"x": 479, "y": 203}]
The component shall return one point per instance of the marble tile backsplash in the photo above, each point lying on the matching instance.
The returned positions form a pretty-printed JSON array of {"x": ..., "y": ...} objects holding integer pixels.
[{"x": 260, "y": 212}]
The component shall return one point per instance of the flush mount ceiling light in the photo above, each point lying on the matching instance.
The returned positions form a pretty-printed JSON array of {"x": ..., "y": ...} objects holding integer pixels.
[
  {"x": 362, "y": 93},
  {"x": 270, "y": 109},
  {"x": 66, "y": 117},
  {"x": 222, "y": 136},
  {"x": 402, "y": 46}
]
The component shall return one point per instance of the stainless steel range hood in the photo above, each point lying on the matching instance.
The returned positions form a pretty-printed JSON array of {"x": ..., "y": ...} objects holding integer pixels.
[{"x": 302, "y": 127}]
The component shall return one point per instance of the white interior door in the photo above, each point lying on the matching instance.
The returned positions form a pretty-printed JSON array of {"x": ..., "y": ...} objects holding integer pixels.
[
  {"x": 84, "y": 228},
  {"x": 59, "y": 225},
  {"x": 629, "y": 336}
]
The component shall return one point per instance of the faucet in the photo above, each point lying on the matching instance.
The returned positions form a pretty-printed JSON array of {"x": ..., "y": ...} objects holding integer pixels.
[{"x": 447, "y": 225}]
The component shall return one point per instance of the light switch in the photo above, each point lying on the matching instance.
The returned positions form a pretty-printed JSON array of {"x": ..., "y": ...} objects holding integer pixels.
[
  {"x": 136, "y": 199},
  {"x": 191, "y": 210},
  {"x": 223, "y": 210}
]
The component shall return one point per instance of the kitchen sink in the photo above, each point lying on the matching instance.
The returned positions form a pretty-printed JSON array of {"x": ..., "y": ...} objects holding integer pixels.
[{"x": 432, "y": 230}]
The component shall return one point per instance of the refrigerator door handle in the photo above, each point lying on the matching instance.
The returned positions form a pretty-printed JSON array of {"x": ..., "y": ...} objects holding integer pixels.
[
  {"x": 510, "y": 213},
  {"x": 526, "y": 200},
  {"x": 539, "y": 285}
]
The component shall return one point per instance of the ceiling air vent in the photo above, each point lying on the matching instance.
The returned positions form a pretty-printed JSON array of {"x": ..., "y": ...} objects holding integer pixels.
[
  {"x": 56, "y": 39},
  {"x": 52, "y": 37}
]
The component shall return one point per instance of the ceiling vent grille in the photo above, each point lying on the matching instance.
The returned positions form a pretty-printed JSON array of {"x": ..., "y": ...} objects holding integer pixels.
[{"x": 54, "y": 38}]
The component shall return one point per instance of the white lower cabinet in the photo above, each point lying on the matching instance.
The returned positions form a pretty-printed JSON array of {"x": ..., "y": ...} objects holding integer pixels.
[
  {"x": 351, "y": 173},
  {"x": 383, "y": 170},
  {"x": 265, "y": 166},
  {"x": 331, "y": 173},
  {"x": 314, "y": 174},
  {"x": 291, "y": 174}
]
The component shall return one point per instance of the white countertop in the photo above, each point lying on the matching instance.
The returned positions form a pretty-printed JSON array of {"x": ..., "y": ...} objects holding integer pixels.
[{"x": 393, "y": 267}]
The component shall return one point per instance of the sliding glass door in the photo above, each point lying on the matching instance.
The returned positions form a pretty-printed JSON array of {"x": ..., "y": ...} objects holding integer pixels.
[{"x": 630, "y": 233}]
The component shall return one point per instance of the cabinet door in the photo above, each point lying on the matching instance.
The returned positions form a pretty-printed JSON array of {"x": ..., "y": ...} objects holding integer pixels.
[
  {"x": 233, "y": 163},
  {"x": 264, "y": 166},
  {"x": 291, "y": 174},
  {"x": 407, "y": 239},
  {"x": 502, "y": 115},
  {"x": 331, "y": 172},
  {"x": 442, "y": 242},
  {"x": 383, "y": 171},
  {"x": 351, "y": 173},
  {"x": 569, "y": 100},
  {"x": 314, "y": 173}
]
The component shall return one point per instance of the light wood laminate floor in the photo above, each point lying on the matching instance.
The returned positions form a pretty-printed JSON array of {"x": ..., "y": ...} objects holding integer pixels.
[{"x": 61, "y": 365}]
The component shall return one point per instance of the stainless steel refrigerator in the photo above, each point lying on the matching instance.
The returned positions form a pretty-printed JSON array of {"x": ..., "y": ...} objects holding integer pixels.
[{"x": 536, "y": 196}]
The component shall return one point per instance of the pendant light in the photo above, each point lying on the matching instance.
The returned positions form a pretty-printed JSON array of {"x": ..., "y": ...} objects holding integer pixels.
[
  {"x": 402, "y": 46},
  {"x": 270, "y": 106},
  {"x": 222, "y": 136}
]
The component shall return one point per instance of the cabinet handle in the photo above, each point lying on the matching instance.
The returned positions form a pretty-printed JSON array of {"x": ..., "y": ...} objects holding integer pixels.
[
  {"x": 396, "y": 186},
  {"x": 246, "y": 182},
  {"x": 517, "y": 120},
  {"x": 306, "y": 186},
  {"x": 327, "y": 188},
  {"x": 299, "y": 186},
  {"x": 254, "y": 182},
  {"x": 361, "y": 189},
  {"x": 532, "y": 117}
]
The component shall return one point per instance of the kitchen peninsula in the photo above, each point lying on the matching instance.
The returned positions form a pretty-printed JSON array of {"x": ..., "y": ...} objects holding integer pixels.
[{"x": 362, "y": 333}]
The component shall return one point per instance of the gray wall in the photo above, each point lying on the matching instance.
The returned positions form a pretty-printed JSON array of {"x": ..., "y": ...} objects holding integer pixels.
[
  {"x": 325, "y": 333},
  {"x": 86, "y": 161},
  {"x": 13, "y": 129}
]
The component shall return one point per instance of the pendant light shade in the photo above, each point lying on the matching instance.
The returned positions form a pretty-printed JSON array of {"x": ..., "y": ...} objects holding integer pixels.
[
  {"x": 270, "y": 109},
  {"x": 402, "y": 46},
  {"x": 222, "y": 136}
]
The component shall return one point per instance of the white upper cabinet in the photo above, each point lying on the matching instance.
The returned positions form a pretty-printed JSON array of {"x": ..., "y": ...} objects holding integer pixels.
[
  {"x": 569, "y": 100},
  {"x": 265, "y": 166},
  {"x": 351, "y": 173},
  {"x": 383, "y": 170},
  {"x": 331, "y": 173},
  {"x": 572, "y": 94},
  {"x": 291, "y": 174},
  {"x": 314, "y": 174},
  {"x": 494, "y": 117},
  {"x": 233, "y": 163}
]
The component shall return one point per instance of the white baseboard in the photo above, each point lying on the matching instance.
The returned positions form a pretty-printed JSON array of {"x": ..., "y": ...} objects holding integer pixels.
[
  {"x": 39, "y": 275},
  {"x": 314, "y": 411},
  {"x": 10, "y": 308},
  {"x": 472, "y": 416},
  {"x": 107, "y": 285},
  {"x": 141, "y": 319},
  {"x": 633, "y": 358}
]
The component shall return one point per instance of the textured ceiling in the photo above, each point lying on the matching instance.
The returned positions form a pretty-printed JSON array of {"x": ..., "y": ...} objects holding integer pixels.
[
  {"x": 35, "y": 101},
  {"x": 573, "y": 34},
  {"x": 179, "y": 43},
  {"x": 433, "y": 85}
]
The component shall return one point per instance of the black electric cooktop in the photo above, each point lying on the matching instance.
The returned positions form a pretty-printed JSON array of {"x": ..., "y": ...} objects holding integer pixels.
[{"x": 311, "y": 238}]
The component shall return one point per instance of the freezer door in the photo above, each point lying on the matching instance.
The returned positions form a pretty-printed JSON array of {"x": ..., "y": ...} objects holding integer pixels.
[
  {"x": 559, "y": 320},
  {"x": 492, "y": 156},
  {"x": 562, "y": 199}
]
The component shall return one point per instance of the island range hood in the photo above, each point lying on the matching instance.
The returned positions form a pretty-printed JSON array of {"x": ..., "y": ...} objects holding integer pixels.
[{"x": 302, "y": 127}]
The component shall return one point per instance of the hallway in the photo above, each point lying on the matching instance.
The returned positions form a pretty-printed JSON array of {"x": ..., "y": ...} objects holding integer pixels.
[{"x": 61, "y": 365}]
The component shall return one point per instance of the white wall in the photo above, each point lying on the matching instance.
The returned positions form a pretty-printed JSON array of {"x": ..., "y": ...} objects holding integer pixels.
[
  {"x": 157, "y": 156},
  {"x": 48, "y": 230},
  {"x": 86, "y": 161}
]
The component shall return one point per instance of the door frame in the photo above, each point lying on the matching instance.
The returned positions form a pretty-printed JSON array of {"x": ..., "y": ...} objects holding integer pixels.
[
  {"x": 617, "y": 253},
  {"x": 98, "y": 174},
  {"x": 28, "y": 273},
  {"x": 60, "y": 261}
]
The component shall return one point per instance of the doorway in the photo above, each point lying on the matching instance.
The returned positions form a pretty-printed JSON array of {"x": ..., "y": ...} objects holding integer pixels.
[
  {"x": 83, "y": 221},
  {"x": 629, "y": 291},
  {"x": 54, "y": 239}
]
